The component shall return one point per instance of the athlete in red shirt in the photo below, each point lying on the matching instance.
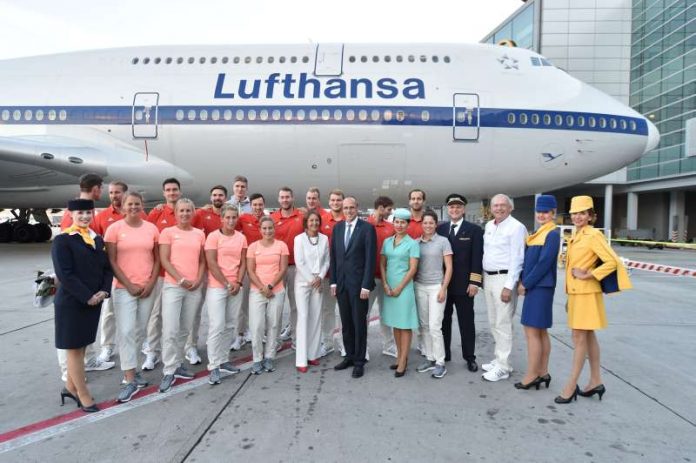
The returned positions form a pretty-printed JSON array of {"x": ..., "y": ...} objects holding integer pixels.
[
  {"x": 416, "y": 201},
  {"x": 208, "y": 218}
]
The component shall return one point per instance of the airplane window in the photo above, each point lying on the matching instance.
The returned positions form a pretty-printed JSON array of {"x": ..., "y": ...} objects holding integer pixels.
[
  {"x": 247, "y": 60},
  {"x": 305, "y": 59},
  {"x": 135, "y": 61},
  {"x": 351, "y": 59},
  {"x": 338, "y": 115},
  {"x": 252, "y": 115},
  {"x": 400, "y": 116},
  {"x": 5, "y": 115},
  {"x": 146, "y": 60},
  {"x": 179, "y": 60},
  {"x": 447, "y": 59},
  {"x": 411, "y": 58},
  {"x": 263, "y": 114},
  {"x": 570, "y": 121},
  {"x": 523, "y": 118},
  {"x": 239, "y": 115},
  {"x": 363, "y": 59},
  {"x": 259, "y": 59},
  {"x": 425, "y": 116},
  {"x": 179, "y": 114},
  {"x": 168, "y": 60},
  {"x": 62, "y": 114},
  {"x": 225, "y": 60},
  {"x": 387, "y": 59},
  {"x": 16, "y": 114},
  {"x": 423, "y": 58},
  {"x": 236, "y": 60},
  {"x": 300, "y": 114},
  {"x": 293, "y": 59},
  {"x": 511, "y": 118},
  {"x": 215, "y": 114},
  {"x": 612, "y": 123},
  {"x": 270, "y": 60},
  {"x": 204, "y": 115},
  {"x": 375, "y": 59},
  {"x": 227, "y": 115},
  {"x": 288, "y": 114},
  {"x": 388, "y": 115},
  {"x": 399, "y": 58},
  {"x": 535, "y": 119},
  {"x": 192, "y": 115},
  {"x": 191, "y": 60},
  {"x": 623, "y": 124},
  {"x": 461, "y": 116},
  {"x": 281, "y": 59},
  {"x": 350, "y": 115},
  {"x": 158, "y": 60},
  {"x": 633, "y": 126},
  {"x": 276, "y": 114},
  {"x": 558, "y": 120},
  {"x": 602, "y": 123},
  {"x": 28, "y": 115},
  {"x": 591, "y": 121},
  {"x": 39, "y": 115},
  {"x": 362, "y": 115},
  {"x": 547, "y": 119},
  {"x": 52, "y": 115},
  {"x": 325, "y": 115},
  {"x": 374, "y": 115},
  {"x": 213, "y": 60},
  {"x": 313, "y": 115},
  {"x": 202, "y": 60},
  {"x": 435, "y": 59},
  {"x": 581, "y": 121}
]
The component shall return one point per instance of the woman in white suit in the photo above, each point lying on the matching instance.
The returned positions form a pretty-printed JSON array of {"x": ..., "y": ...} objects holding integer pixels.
[{"x": 312, "y": 263}]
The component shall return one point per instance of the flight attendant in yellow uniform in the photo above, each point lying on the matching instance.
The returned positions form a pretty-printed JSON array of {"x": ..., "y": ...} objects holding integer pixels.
[{"x": 590, "y": 259}]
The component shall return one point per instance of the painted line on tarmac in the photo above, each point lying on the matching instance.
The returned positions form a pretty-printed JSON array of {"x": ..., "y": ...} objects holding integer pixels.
[
  {"x": 42, "y": 430},
  {"x": 27, "y": 326}
]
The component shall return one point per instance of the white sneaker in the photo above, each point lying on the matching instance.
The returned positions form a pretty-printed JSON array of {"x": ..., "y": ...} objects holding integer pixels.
[
  {"x": 151, "y": 360},
  {"x": 286, "y": 333},
  {"x": 146, "y": 347},
  {"x": 496, "y": 374},
  {"x": 367, "y": 355},
  {"x": 106, "y": 354},
  {"x": 421, "y": 349},
  {"x": 96, "y": 364},
  {"x": 325, "y": 349},
  {"x": 390, "y": 351},
  {"x": 490, "y": 365},
  {"x": 238, "y": 343},
  {"x": 247, "y": 336},
  {"x": 192, "y": 356}
]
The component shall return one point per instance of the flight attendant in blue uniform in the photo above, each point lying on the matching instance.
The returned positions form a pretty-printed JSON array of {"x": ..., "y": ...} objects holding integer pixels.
[
  {"x": 537, "y": 284},
  {"x": 85, "y": 278}
]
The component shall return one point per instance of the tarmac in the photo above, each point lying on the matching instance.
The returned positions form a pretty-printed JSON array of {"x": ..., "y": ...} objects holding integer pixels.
[{"x": 648, "y": 413}]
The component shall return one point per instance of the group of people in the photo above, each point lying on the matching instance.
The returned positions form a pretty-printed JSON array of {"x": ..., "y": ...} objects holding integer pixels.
[{"x": 157, "y": 271}]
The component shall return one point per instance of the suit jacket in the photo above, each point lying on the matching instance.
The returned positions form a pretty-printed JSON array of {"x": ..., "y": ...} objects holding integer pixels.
[
  {"x": 467, "y": 261},
  {"x": 81, "y": 270},
  {"x": 353, "y": 268}
]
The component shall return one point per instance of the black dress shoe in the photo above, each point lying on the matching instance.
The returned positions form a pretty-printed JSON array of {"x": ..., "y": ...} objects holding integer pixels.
[
  {"x": 472, "y": 366},
  {"x": 358, "y": 371},
  {"x": 345, "y": 363},
  {"x": 448, "y": 358}
]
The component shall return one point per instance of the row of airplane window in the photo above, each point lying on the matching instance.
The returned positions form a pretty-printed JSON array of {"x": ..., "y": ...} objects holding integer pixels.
[
  {"x": 29, "y": 115},
  {"x": 571, "y": 121},
  {"x": 283, "y": 59}
]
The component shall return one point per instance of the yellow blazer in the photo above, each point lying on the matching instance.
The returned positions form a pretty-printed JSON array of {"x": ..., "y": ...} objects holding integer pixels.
[{"x": 585, "y": 250}]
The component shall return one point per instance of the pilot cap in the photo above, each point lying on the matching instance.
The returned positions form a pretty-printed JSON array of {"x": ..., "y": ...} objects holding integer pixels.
[
  {"x": 403, "y": 214},
  {"x": 455, "y": 198},
  {"x": 545, "y": 203},
  {"x": 80, "y": 205},
  {"x": 581, "y": 203}
]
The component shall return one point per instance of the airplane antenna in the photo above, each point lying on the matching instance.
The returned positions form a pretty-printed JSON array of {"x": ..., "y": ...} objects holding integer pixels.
[{"x": 146, "y": 151}]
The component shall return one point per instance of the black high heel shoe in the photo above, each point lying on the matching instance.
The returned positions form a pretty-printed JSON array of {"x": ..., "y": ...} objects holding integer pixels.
[
  {"x": 562, "y": 400},
  {"x": 393, "y": 366},
  {"x": 599, "y": 390},
  {"x": 535, "y": 382},
  {"x": 65, "y": 393},
  {"x": 399, "y": 374},
  {"x": 545, "y": 379},
  {"x": 91, "y": 409}
]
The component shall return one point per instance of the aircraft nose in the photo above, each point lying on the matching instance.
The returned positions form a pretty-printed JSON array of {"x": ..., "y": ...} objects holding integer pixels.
[{"x": 653, "y": 137}]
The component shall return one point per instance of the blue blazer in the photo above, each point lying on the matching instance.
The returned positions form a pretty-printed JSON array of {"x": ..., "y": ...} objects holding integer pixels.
[
  {"x": 81, "y": 270},
  {"x": 540, "y": 263},
  {"x": 354, "y": 268}
]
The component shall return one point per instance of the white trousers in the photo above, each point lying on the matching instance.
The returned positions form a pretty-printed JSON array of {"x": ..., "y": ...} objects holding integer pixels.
[
  {"x": 264, "y": 319},
  {"x": 500, "y": 317},
  {"x": 330, "y": 316},
  {"x": 179, "y": 307},
  {"x": 131, "y": 315},
  {"x": 308, "y": 327},
  {"x": 289, "y": 283},
  {"x": 154, "y": 325},
  {"x": 222, "y": 318},
  {"x": 108, "y": 323},
  {"x": 243, "y": 313},
  {"x": 192, "y": 340},
  {"x": 377, "y": 299},
  {"x": 430, "y": 315}
]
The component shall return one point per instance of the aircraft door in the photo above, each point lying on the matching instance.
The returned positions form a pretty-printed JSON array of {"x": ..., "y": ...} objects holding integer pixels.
[
  {"x": 145, "y": 115},
  {"x": 329, "y": 59},
  {"x": 465, "y": 117}
]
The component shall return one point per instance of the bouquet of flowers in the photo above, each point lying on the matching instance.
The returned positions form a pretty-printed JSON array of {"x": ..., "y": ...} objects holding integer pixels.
[{"x": 44, "y": 288}]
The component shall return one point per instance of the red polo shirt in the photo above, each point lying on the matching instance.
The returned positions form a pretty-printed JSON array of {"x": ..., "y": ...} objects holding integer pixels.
[
  {"x": 162, "y": 217},
  {"x": 108, "y": 216},
  {"x": 384, "y": 230},
  {"x": 328, "y": 223},
  {"x": 249, "y": 225},
  {"x": 415, "y": 228},
  {"x": 207, "y": 220},
  {"x": 287, "y": 228}
]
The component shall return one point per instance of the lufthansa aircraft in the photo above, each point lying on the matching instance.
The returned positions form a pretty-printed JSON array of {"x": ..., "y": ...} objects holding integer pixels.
[{"x": 370, "y": 119}]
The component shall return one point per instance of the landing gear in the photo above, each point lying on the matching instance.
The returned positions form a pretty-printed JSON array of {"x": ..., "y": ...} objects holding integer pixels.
[{"x": 21, "y": 230}]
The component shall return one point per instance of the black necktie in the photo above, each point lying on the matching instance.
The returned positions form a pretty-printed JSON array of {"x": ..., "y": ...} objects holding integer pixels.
[{"x": 452, "y": 233}]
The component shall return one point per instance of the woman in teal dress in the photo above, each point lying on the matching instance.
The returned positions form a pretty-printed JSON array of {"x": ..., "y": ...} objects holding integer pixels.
[{"x": 399, "y": 262}]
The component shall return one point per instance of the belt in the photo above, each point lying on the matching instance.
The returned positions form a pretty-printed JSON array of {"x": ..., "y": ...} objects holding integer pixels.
[{"x": 496, "y": 272}]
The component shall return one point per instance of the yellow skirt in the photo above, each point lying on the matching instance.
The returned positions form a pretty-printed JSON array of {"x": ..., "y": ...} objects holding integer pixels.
[{"x": 586, "y": 311}]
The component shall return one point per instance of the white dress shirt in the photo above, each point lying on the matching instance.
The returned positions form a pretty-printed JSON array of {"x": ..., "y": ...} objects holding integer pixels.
[
  {"x": 503, "y": 248},
  {"x": 311, "y": 260},
  {"x": 456, "y": 226}
]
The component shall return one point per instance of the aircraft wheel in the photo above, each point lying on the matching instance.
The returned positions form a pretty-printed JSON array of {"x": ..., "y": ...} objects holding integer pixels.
[
  {"x": 5, "y": 232},
  {"x": 24, "y": 232},
  {"x": 43, "y": 232}
]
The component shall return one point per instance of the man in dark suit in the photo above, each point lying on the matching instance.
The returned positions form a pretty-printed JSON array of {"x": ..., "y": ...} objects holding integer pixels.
[
  {"x": 353, "y": 257},
  {"x": 467, "y": 244}
]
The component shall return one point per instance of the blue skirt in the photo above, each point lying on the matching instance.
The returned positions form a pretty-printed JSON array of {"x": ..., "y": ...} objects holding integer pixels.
[{"x": 537, "y": 310}]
